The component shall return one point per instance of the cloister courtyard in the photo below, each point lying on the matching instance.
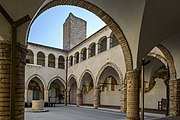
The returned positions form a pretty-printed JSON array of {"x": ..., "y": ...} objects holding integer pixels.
[{"x": 71, "y": 112}]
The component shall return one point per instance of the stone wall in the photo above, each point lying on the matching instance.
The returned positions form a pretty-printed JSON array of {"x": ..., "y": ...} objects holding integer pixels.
[{"x": 74, "y": 31}]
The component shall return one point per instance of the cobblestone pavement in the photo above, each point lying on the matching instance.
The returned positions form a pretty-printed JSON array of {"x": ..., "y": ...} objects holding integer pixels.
[{"x": 80, "y": 113}]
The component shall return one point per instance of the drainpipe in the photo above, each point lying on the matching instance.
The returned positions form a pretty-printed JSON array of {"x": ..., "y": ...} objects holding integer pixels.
[
  {"x": 167, "y": 90},
  {"x": 66, "y": 80}
]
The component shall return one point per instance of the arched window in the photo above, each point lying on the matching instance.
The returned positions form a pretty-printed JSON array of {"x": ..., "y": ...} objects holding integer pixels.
[
  {"x": 71, "y": 60},
  {"x": 113, "y": 41},
  {"x": 76, "y": 58},
  {"x": 92, "y": 50},
  {"x": 41, "y": 58},
  {"x": 61, "y": 62},
  {"x": 102, "y": 44},
  {"x": 51, "y": 60},
  {"x": 30, "y": 57},
  {"x": 83, "y": 54}
]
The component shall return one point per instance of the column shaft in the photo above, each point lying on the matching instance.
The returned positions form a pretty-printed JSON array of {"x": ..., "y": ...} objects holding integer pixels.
[
  {"x": 35, "y": 58},
  {"x": 46, "y": 95},
  {"x": 97, "y": 97},
  {"x": 133, "y": 78},
  {"x": 124, "y": 98},
  {"x": 5, "y": 81},
  {"x": 174, "y": 98},
  {"x": 79, "y": 97},
  {"x": 46, "y": 61}
]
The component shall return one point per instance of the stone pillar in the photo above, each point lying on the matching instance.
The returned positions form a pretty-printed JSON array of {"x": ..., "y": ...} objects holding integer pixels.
[
  {"x": 174, "y": 98},
  {"x": 35, "y": 58},
  {"x": 68, "y": 96},
  {"x": 56, "y": 62},
  {"x": 78, "y": 97},
  {"x": 97, "y": 49},
  {"x": 46, "y": 95},
  {"x": 108, "y": 43},
  {"x": 124, "y": 98},
  {"x": 133, "y": 79},
  {"x": 26, "y": 94},
  {"x": 46, "y": 61},
  {"x": 5, "y": 81},
  {"x": 87, "y": 53},
  {"x": 97, "y": 94}
]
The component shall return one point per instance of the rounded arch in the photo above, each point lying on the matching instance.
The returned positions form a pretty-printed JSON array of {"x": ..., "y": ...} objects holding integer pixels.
[
  {"x": 112, "y": 65},
  {"x": 51, "y": 60},
  {"x": 170, "y": 61},
  {"x": 76, "y": 58},
  {"x": 56, "y": 78},
  {"x": 102, "y": 44},
  {"x": 87, "y": 71},
  {"x": 39, "y": 77},
  {"x": 92, "y": 49},
  {"x": 71, "y": 77},
  {"x": 71, "y": 60},
  {"x": 40, "y": 58},
  {"x": 30, "y": 56},
  {"x": 61, "y": 62},
  {"x": 113, "y": 40},
  {"x": 103, "y": 16},
  {"x": 84, "y": 54}
]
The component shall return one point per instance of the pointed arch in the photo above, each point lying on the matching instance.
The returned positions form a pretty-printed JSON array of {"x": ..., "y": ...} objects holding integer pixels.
[
  {"x": 112, "y": 65},
  {"x": 70, "y": 78},
  {"x": 51, "y": 60},
  {"x": 39, "y": 77},
  {"x": 56, "y": 78},
  {"x": 82, "y": 75}
]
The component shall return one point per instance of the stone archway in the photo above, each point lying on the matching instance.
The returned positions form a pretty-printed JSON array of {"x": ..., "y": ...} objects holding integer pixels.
[
  {"x": 35, "y": 89},
  {"x": 87, "y": 87},
  {"x": 56, "y": 90},
  {"x": 110, "y": 81},
  {"x": 72, "y": 88},
  {"x": 173, "y": 82}
]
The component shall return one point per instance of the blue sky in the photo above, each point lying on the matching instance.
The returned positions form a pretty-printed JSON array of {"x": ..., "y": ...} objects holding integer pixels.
[{"x": 47, "y": 29}]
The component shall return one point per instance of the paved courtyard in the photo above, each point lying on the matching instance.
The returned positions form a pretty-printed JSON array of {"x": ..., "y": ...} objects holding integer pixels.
[{"x": 62, "y": 112}]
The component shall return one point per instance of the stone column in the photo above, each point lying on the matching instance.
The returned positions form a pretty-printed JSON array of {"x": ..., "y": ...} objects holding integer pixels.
[
  {"x": 78, "y": 97},
  {"x": 68, "y": 96},
  {"x": 97, "y": 48},
  {"x": 26, "y": 94},
  {"x": 5, "y": 81},
  {"x": 87, "y": 53},
  {"x": 97, "y": 94},
  {"x": 35, "y": 58},
  {"x": 46, "y": 61},
  {"x": 56, "y": 62},
  {"x": 124, "y": 98},
  {"x": 133, "y": 79},
  {"x": 174, "y": 98},
  {"x": 108, "y": 43},
  {"x": 46, "y": 95}
]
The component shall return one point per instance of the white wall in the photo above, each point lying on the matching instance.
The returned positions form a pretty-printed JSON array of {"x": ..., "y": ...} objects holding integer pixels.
[
  {"x": 88, "y": 97},
  {"x": 151, "y": 98},
  {"x": 111, "y": 98}
]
